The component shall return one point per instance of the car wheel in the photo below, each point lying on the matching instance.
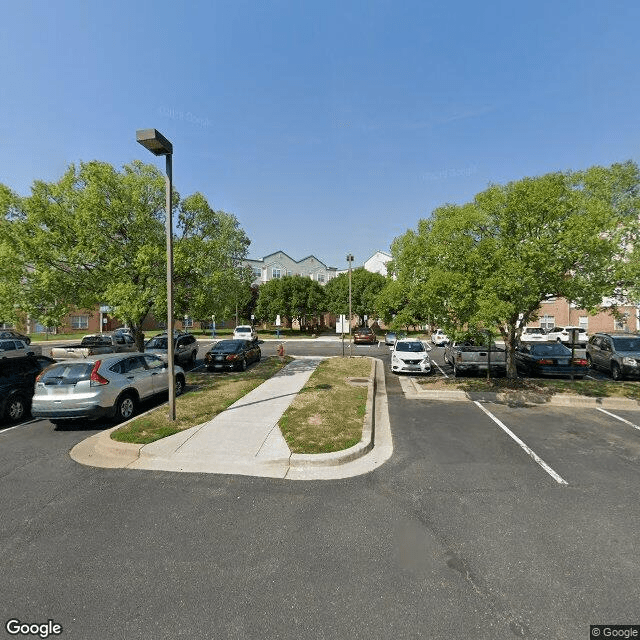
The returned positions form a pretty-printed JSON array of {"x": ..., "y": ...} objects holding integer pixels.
[
  {"x": 616, "y": 373},
  {"x": 192, "y": 359},
  {"x": 259, "y": 356},
  {"x": 243, "y": 364},
  {"x": 455, "y": 370},
  {"x": 179, "y": 385},
  {"x": 125, "y": 407},
  {"x": 589, "y": 362},
  {"x": 16, "y": 408}
]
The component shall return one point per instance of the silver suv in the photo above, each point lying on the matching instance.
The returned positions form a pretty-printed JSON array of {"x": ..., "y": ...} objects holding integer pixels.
[
  {"x": 108, "y": 386},
  {"x": 618, "y": 354}
]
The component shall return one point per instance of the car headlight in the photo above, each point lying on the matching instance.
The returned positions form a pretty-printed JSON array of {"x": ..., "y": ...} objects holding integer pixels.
[{"x": 631, "y": 362}]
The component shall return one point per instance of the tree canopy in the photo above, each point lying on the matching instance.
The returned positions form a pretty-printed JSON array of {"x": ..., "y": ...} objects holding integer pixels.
[
  {"x": 492, "y": 262},
  {"x": 365, "y": 289},
  {"x": 291, "y": 297},
  {"x": 97, "y": 237}
]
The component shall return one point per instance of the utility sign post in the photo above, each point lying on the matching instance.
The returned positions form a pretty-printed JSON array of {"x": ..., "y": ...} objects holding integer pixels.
[{"x": 278, "y": 323}]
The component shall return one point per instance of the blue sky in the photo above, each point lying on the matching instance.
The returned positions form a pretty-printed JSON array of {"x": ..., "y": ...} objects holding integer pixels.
[{"x": 324, "y": 127}]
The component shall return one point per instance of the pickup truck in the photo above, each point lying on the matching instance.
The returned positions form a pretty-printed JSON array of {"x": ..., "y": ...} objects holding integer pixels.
[
  {"x": 466, "y": 357},
  {"x": 93, "y": 345}
]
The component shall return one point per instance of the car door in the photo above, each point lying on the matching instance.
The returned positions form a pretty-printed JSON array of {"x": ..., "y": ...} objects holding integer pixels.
[
  {"x": 140, "y": 377},
  {"x": 182, "y": 349},
  {"x": 158, "y": 371}
]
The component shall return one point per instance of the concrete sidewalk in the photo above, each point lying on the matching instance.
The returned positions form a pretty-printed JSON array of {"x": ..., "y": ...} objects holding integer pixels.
[{"x": 246, "y": 440}]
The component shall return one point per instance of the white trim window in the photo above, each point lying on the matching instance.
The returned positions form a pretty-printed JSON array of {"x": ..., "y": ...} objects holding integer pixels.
[
  {"x": 548, "y": 322},
  {"x": 321, "y": 277},
  {"x": 583, "y": 322},
  {"x": 276, "y": 273},
  {"x": 79, "y": 322}
]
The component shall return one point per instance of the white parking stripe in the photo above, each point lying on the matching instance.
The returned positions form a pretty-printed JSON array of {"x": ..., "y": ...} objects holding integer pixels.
[
  {"x": 530, "y": 452},
  {"x": 22, "y": 424},
  {"x": 613, "y": 415},
  {"x": 439, "y": 367}
]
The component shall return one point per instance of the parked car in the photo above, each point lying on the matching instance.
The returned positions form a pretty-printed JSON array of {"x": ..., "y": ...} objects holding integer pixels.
[
  {"x": 548, "y": 359},
  {"x": 439, "y": 338},
  {"x": 534, "y": 334},
  {"x": 244, "y": 332},
  {"x": 107, "y": 386},
  {"x": 391, "y": 336},
  {"x": 95, "y": 344},
  {"x": 564, "y": 334},
  {"x": 232, "y": 354},
  {"x": 619, "y": 354},
  {"x": 471, "y": 356},
  {"x": 185, "y": 349},
  {"x": 364, "y": 335},
  {"x": 11, "y": 334},
  {"x": 17, "y": 380},
  {"x": 409, "y": 355},
  {"x": 17, "y": 349}
]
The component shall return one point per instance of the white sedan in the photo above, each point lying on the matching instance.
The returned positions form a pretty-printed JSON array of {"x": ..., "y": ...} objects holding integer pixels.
[
  {"x": 410, "y": 356},
  {"x": 534, "y": 334},
  {"x": 439, "y": 338}
]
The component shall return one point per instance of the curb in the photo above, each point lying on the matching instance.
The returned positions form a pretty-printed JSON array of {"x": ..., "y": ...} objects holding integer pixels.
[
  {"x": 100, "y": 450},
  {"x": 519, "y": 398},
  {"x": 305, "y": 460}
]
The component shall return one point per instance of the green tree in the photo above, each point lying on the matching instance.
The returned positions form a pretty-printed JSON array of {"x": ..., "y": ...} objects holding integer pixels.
[
  {"x": 97, "y": 237},
  {"x": 492, "y": 262},
  {"x": 290, "y": 297},
  {"x": 365, "y": 289},
  {"x": 209, "y": 278}
]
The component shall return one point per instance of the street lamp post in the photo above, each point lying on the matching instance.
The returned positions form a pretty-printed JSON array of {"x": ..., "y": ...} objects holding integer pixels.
[
  {"x": 350, "y": 260},
  {"x": 155, "y": 142}
]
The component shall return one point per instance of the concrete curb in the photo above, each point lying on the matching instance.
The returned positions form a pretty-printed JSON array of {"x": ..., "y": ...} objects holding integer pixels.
[
  {"x": 413, "y": 391},
  {"x": 100, "y": 450},
  {"x": 303, "y": 460}
]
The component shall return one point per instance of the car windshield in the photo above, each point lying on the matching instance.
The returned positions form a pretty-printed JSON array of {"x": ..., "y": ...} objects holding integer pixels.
[
  {"x": 409, "y": 346},
  {"x": 228, "y": 346},
  {"x": 243, "y": 329},
  {"x": 551, "y": 349},
  {"x": 157, "y": 343},
  {"x": 627, "y": 344},
  {"x": 533, "y": 330}
]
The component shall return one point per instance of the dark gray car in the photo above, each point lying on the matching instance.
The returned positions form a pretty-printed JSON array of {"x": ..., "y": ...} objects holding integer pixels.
[
  {"x": 619, "y": 354},
  {"x": 185, "y": 348}
]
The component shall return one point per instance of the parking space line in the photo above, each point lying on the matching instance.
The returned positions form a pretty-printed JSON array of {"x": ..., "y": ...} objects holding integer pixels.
[
  {"x": 22, "y": 424},
  {"x": 529, "y": 451},
  {"x": 439, "y": 367},
  {"x": 613, "y": 415}
]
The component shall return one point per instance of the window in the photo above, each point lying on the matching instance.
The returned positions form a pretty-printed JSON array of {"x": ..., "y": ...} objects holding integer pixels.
[
  {"x": 548, "y": 322},
  {"x": 257, "y": 272},
  {"x": 583, "y": 322},
  {"x": 288, "y": 273},
  {"x": 79, "y": 322},
  {"x": 321, "y": 277},
  {"x": 276, "y": 273},
  {"x": 621, "y": 323},
  {"x": 187, "y": 323}
]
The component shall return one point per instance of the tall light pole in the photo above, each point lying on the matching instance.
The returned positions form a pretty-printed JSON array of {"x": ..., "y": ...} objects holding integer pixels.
[
  {"x": 155, "y": 142},
  {"x": 350, "y": 260}
]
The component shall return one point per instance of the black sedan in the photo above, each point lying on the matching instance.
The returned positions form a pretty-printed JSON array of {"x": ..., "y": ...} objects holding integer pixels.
[
  {"x": 11, "y": 334},
  {"x": 548, "y": 359},
  {"x": 232, "y": 354}
]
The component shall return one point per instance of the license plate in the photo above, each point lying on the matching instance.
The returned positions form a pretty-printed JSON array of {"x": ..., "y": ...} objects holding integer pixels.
[{"x": 563, "y": 362}]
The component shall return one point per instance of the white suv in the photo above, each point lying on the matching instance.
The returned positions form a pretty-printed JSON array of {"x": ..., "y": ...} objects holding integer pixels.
[
  {"x": 244, "y": 332},
  {"x": 439, "y": 338},
  {"x": 563, "y": 334}
]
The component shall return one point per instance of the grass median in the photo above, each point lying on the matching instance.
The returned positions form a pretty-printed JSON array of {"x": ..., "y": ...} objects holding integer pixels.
[
  {"x": 206, "y": 396},
  {"x": 588, "y": 388},
  {"x": 328, "y": 413}
]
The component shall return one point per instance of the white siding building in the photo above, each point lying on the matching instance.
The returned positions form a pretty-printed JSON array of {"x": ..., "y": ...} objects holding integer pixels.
[{"x": 279, "y": 264}]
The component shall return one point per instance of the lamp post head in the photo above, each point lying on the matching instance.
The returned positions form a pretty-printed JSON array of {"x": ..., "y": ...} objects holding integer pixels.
[
  {"x": 349, "y": 257},
  {"x": 154, "y": 141}
]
